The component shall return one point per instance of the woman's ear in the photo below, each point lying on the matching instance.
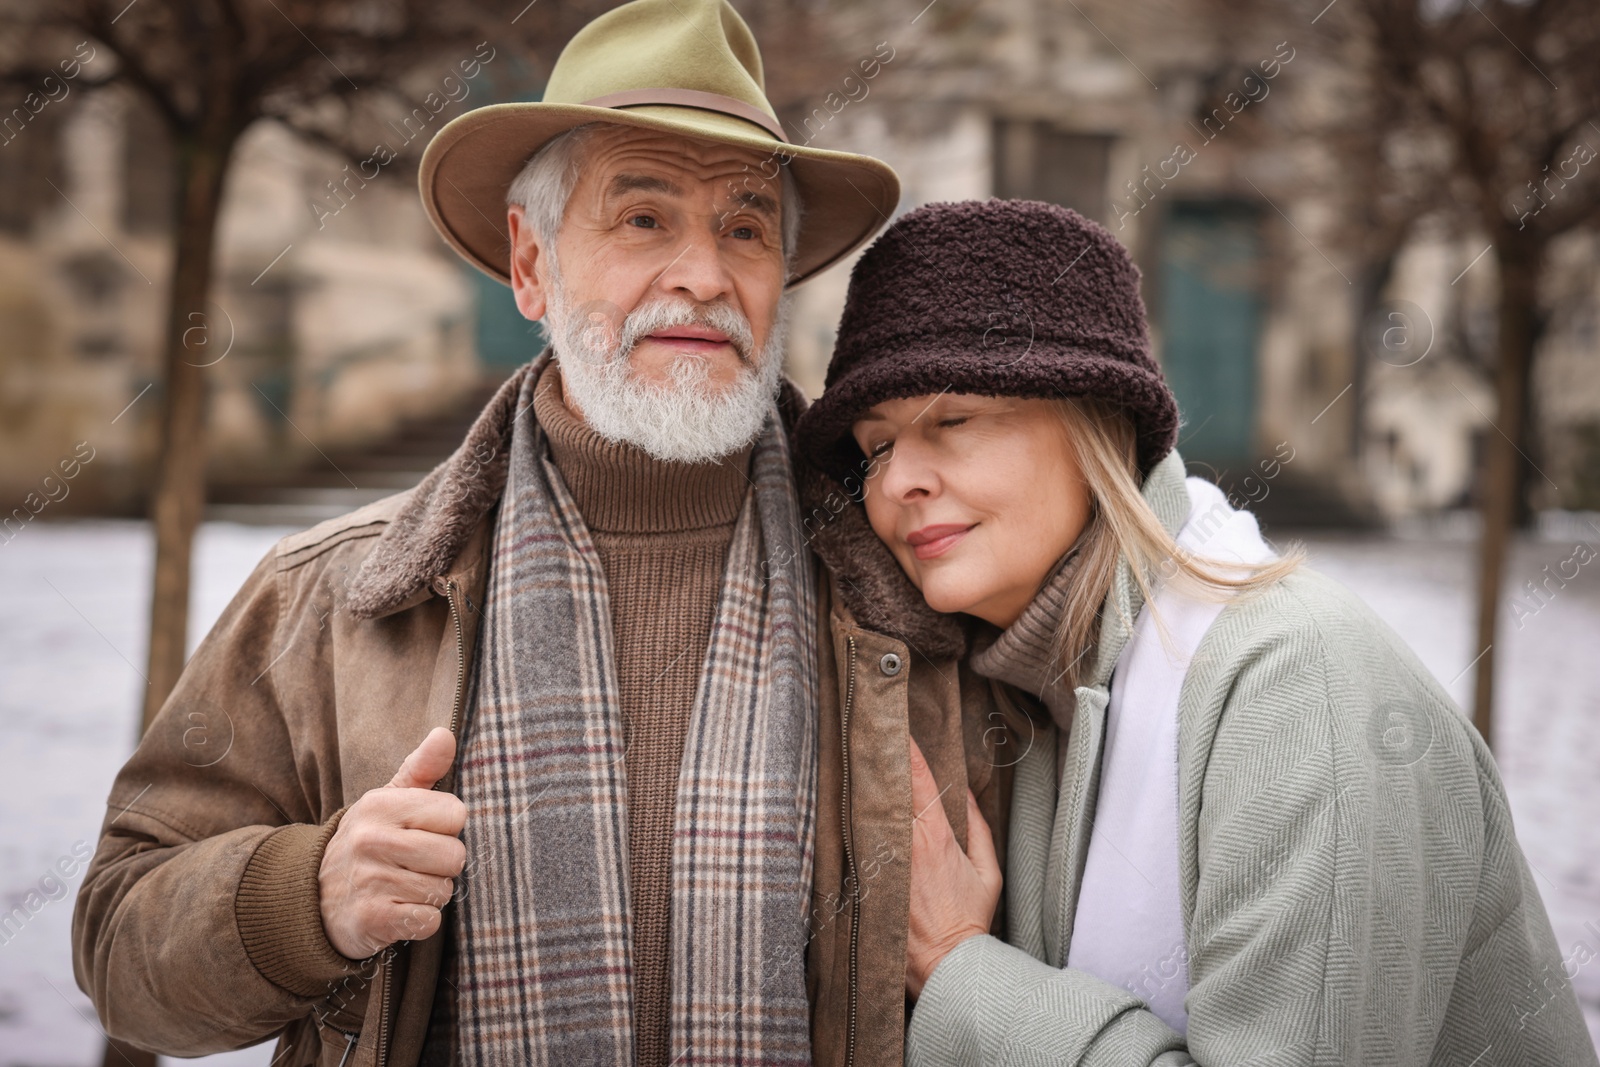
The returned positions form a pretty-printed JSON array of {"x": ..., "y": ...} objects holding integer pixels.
[{"x": 526, "y": 284}]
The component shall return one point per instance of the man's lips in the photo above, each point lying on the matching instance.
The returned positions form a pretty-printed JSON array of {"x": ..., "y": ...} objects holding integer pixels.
[
  {"x": 691, "y": 338},
  {"x": 931, "y": 541}
]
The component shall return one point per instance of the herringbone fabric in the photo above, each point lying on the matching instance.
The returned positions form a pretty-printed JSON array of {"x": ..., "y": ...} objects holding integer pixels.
[{"x": 1352, "y": 887}]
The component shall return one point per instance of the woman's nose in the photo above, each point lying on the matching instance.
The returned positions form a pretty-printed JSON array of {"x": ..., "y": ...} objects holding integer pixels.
[{"x": 908, "y": 473}]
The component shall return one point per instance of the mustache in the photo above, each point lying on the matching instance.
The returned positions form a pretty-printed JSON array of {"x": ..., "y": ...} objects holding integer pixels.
[{"x": 661, "y": 314}]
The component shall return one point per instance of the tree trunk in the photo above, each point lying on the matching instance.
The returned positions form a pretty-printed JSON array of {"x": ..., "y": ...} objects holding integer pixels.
[
  {"x": 1502, "y": 477},
  {"x": 179, "y": 494}
]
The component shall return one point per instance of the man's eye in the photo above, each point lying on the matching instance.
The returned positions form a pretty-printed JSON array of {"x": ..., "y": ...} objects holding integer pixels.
[
  {"x": 744, "y": 233},
  {"x": 881, "y": 448},
  {"x": 644, "y": 222},
  {"x": 955, "y": 420}
]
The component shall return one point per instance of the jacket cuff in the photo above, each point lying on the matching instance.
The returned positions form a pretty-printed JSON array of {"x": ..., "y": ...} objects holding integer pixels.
[
  {"x": 990, "y": 1002},
  {"x": 279, "y": 911}
]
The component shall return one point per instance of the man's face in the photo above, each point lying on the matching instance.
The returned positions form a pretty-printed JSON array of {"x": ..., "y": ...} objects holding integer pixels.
[{"x": 656, "y": 218}]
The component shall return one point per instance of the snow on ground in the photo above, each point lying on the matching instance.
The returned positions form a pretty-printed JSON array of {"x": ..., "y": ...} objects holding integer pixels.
[
  {"x": 72, "y": 653},
  {"x": 72, "y": 646}
]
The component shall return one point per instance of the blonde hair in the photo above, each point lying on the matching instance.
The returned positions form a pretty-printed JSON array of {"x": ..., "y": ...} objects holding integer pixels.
[{"x": 1122, "y": 525}]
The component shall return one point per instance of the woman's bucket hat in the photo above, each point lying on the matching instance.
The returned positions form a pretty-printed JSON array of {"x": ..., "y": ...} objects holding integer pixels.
[{"x": 994, "y": 297}]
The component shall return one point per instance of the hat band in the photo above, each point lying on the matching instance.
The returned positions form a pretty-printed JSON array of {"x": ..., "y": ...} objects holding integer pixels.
[{"x": 694, "y": 98}]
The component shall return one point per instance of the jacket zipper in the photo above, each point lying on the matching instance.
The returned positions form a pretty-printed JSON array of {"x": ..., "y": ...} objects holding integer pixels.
[
  {"x": 348, "y": 1046},
  {"x": 849, "y": 853},
  {"x": 455, "y": 723},
  {"x": 461, "y": 654},
  {"x": 383, "y": 1010}
]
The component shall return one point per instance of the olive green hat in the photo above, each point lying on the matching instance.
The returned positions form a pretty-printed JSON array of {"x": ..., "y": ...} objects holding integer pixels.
[{"x": 679, "y": 66}]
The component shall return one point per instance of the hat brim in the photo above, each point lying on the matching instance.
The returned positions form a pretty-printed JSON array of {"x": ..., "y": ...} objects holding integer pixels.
[
  {"x": 471, "y": 162},
  {"x": 823, "y": 433}
]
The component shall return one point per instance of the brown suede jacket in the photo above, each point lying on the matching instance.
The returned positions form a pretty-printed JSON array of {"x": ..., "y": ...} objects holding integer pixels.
[{"x": 197, "y": 928}]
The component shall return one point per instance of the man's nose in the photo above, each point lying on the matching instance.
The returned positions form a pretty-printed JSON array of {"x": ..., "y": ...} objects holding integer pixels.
[{"x": 697, "y": 269}]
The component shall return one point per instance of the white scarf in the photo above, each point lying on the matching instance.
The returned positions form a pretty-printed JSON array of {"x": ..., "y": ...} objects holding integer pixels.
[{"x": 1129, "y": 921}]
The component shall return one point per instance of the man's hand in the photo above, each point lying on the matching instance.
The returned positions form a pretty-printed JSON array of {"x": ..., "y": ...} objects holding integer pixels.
[
  {"x": 953, "y": 893},
  {"x": 388, "y": 868}
]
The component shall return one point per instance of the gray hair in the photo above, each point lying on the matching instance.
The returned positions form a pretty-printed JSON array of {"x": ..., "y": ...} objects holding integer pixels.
[{"x": 546, "y": 181}]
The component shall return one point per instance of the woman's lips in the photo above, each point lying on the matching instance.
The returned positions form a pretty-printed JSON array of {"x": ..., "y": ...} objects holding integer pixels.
[{"x": 931, "y": 541}]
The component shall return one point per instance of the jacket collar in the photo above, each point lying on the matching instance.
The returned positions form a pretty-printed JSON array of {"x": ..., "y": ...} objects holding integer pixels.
[
  {"x": 440, "y": 530},
  {"x": 870, "y": 589},
  {"x": 439, "y": 515}
]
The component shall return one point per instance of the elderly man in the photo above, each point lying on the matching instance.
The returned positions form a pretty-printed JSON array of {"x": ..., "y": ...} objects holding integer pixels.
[{"x": 520, "y": 764}]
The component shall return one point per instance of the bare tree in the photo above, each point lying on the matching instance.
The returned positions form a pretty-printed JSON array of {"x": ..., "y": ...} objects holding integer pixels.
[
  {"x": 1504, "y": 100},
  {"x": 1481, "y": 115}
]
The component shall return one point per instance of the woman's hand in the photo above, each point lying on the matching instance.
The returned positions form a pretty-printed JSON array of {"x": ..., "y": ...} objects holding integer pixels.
[{"x": 953, "y": 893}]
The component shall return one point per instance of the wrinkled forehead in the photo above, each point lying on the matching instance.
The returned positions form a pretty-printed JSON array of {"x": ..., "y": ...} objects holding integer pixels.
[{"x": 620, "y": 159}]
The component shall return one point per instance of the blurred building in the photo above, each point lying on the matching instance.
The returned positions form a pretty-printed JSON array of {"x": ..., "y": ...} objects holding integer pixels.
[
  {"x": 1176, "y": 128},
  {"x": 349, "y": 345},
  {"x": 336, "y": 318}
]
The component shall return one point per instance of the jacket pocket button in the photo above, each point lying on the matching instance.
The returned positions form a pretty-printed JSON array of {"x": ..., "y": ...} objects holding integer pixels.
[{"x": 890, "y": 664}]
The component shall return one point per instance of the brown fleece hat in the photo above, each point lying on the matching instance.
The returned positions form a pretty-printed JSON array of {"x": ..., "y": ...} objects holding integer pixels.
[{"x": 994, "y": 297}]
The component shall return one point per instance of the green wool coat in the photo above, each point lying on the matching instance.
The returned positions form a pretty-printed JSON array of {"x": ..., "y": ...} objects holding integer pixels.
[{"x": 1346, "y": 900}]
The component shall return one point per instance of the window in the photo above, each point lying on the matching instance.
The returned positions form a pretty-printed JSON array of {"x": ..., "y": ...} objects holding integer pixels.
[{"x": 1036, "y": 160}]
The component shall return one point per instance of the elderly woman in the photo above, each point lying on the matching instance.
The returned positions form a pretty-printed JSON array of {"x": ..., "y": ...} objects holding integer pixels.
[{"x": 1244, "y": 822}]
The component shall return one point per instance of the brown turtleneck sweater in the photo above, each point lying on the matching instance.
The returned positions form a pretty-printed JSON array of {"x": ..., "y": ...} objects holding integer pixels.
[{"x": 662, "y": 531}]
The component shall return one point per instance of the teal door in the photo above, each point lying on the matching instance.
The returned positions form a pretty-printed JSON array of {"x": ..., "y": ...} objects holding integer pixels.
[
  {"x": 1210, "y": 314},
  {"x": 505, "y": 339}
]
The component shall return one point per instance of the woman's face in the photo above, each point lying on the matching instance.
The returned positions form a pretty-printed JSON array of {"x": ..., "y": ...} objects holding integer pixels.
[{"x": 976, "y": 496}]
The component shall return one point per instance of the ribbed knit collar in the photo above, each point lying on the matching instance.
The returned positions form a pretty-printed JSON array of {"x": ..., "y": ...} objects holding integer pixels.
[
  {"x": 620, "y": 488},
  {"x": 1020, "y": 655}
]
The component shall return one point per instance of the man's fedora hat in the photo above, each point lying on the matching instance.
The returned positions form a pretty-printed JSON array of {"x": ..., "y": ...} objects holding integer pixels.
[{"x": 681, "y": 66}]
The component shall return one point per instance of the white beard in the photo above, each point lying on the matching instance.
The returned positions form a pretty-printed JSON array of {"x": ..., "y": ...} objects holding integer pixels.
[{"x": 685, "y": 419}]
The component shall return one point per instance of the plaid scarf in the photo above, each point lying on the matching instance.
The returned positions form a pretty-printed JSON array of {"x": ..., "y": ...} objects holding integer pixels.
[{"x": 542, "y": 967}]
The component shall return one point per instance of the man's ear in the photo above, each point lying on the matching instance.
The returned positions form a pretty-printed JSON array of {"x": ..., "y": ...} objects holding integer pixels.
[{"x": 525, "y": 282}]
